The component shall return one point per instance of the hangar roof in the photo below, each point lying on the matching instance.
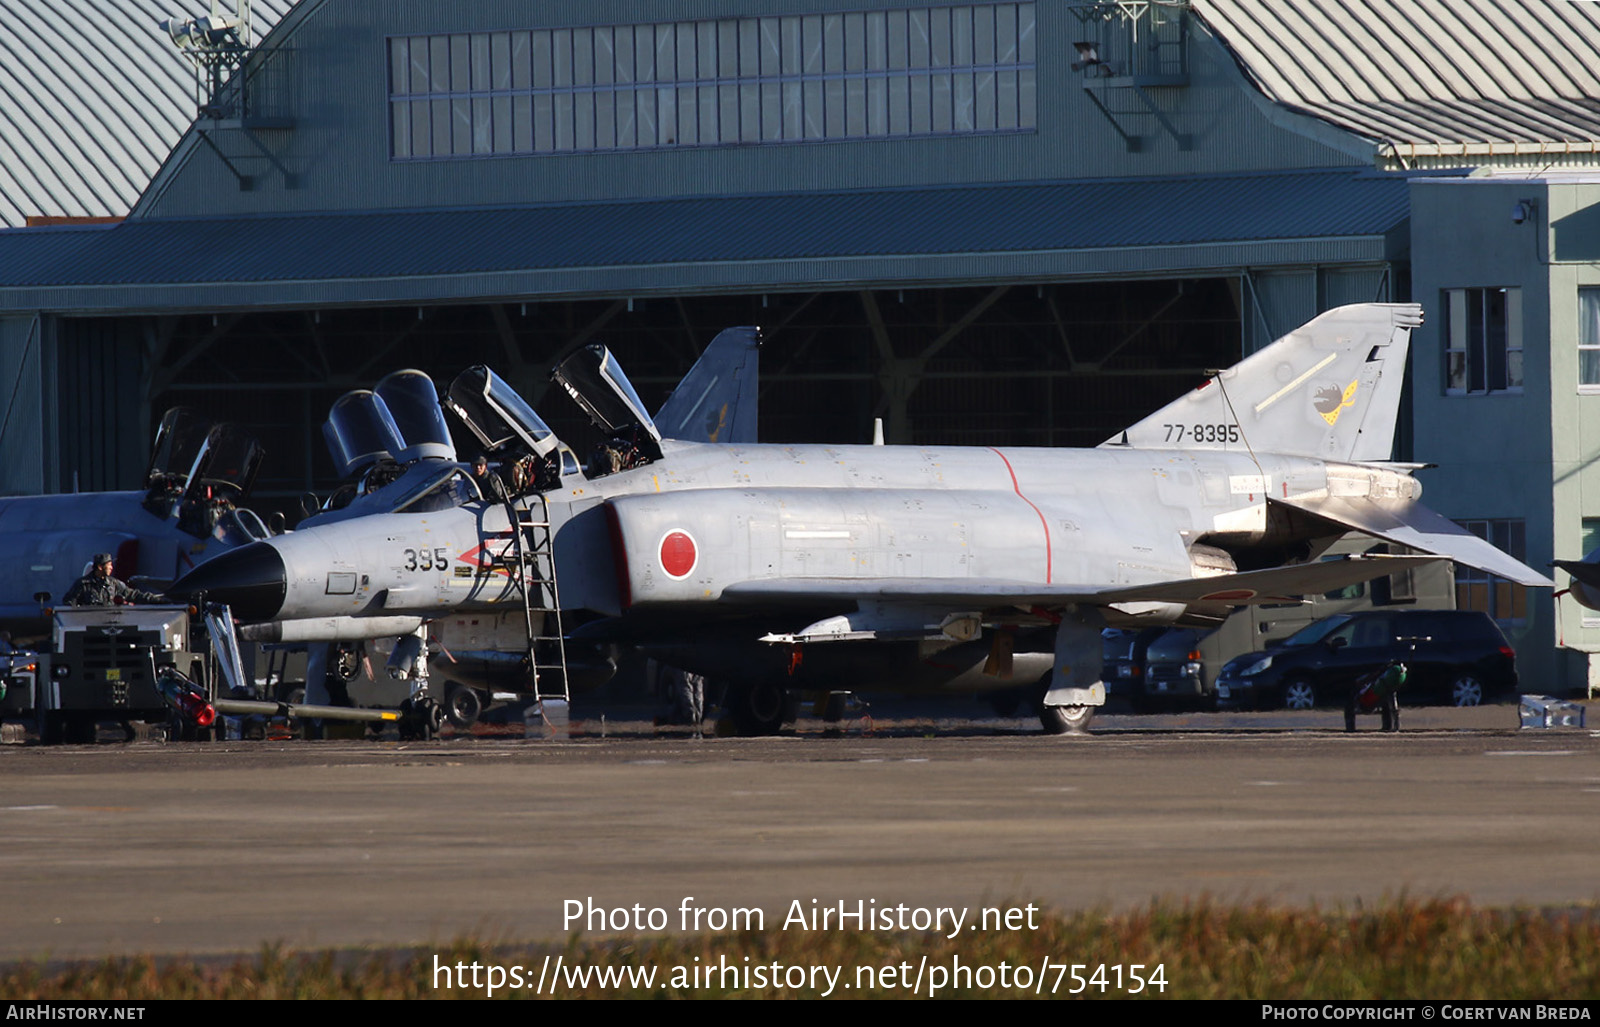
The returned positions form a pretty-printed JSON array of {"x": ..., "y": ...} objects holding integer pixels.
[
  {"x": 1428, "y": 79},
  {"x": 1145, "y": 226},
  {"x": 92, "y": 97}
]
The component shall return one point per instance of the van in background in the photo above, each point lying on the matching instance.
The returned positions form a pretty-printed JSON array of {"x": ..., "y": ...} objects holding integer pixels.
[{"x": 1181, "y": 666}]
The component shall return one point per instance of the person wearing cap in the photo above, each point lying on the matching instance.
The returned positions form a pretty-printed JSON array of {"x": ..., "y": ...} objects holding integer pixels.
[
  {"x": 100, "y": 588},
  {"x": 489, "y": 484}
]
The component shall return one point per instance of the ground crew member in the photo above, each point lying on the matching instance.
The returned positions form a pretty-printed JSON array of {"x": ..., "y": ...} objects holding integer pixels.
[
  {"x": 99, "y": 588},
  {"x": 489, "y": 484},
  {"x": 1381, "y": 693}
]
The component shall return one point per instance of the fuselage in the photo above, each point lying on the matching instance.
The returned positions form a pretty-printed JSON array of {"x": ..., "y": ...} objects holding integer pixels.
[
  {"x": 48, "y": 541},
  {"x": 707, "y": 516}
]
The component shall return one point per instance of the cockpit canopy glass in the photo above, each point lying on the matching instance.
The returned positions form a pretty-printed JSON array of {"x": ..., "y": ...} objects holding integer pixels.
[
  {"x": 178, "y": 441},
  {"x": 226, "y": 464},
  {"x": 360, "y": 431},
  {"x": 445, "y": 489},
  {"x": 595, "y": 381},
  {"x": 413, "y": 403},
  {"x": 494, "y": 412}
]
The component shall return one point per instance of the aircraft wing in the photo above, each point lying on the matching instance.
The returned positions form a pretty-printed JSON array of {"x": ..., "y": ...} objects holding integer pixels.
[
  {"x": 1273, "y": 585},
  {"x": 1416, "y": 527}
]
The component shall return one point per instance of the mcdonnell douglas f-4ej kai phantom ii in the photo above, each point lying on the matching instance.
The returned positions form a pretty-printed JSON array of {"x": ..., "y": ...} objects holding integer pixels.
[{"x": 782, "y": 568}]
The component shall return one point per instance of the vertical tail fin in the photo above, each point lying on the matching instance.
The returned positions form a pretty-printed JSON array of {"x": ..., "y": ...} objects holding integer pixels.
[
  {"x": 1329, "y": 389},
  {"x": 717, "y": 399}
]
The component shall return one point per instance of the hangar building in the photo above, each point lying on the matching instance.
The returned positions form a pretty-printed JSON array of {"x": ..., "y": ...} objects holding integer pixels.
[{"x": 1022, "y": 223}]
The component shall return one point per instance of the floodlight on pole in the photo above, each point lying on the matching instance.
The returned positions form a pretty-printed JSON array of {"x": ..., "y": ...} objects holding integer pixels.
[{"x": 217, "y": 45}]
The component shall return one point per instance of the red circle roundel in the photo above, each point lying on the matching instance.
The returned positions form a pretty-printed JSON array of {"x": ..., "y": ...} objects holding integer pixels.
[{"x": 678, "y": 554}]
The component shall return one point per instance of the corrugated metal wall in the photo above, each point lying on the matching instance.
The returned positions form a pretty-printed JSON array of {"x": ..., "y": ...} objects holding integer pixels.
[
  {"x": 342, "y": 94},
  {"x": 105, "y": 429},
  {"x": 21, "y": 407}
]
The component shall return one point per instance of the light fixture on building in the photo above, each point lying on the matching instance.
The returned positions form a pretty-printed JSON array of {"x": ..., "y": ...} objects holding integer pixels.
[
  {"x": 1524, "y": 210},
  {"x": 216, "y": 31}
]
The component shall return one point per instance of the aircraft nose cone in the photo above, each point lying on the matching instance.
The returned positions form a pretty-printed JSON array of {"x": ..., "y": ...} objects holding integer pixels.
[{"x": 252, "y": 580}]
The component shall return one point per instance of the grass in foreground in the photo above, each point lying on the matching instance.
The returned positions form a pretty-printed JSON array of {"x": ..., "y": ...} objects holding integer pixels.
[{"x": 1438, "y": 949}]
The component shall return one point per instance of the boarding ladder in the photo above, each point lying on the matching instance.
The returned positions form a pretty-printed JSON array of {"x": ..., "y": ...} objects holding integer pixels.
[{"x": 533, "y": 567}]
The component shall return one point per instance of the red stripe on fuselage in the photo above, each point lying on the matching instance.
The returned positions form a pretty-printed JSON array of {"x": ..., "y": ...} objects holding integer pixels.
[
  {"x": 1042, "y": 522},
  {"x": 619, "y": 556}
]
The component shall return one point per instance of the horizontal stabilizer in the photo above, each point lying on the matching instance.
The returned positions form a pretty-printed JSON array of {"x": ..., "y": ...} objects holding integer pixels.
[
  {"x": 1416, "y": 527},
  {"x": 1583, "y": 571}
]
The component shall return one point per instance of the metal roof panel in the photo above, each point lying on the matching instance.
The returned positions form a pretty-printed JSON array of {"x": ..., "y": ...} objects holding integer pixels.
[
  {"x": 1390, "y": 68},
  {"x": 92, "y": 98}
]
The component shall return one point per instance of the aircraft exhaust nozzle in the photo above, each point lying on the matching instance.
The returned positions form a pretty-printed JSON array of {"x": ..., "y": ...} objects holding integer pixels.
[{"x": 252, "y": 580}]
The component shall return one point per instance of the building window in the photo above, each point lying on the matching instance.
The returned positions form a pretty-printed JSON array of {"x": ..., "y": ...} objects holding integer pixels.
[
  {"x": 1589, "y": 339},
  {"x": 1505, "y": 601},
  {"x": 1483, "y": 341},
  {"x": 1591, "y": 542},
  {"x": 921, "y": 71}
]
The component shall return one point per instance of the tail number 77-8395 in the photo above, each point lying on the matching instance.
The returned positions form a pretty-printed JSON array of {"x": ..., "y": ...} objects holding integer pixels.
[{"x": 1202, "y": 432}]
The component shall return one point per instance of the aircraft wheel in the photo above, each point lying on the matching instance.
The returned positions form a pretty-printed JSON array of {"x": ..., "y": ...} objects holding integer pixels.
[
  {"x": 757, "y": 708},
  {"x": 420, "y": 719},
  {"x": 1466, "y": 690},
  {"x": 1066, "y": 720},
  {"x": 463, "y": 707},
  {"x": 1299, "y": 694}
]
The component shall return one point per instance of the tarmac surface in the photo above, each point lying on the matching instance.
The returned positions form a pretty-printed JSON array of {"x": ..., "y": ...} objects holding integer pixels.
[{"x": 223, "y": 847}]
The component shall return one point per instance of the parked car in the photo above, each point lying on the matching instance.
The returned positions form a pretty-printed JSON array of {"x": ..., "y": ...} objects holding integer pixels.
[
  {"x": 1181, "y": 667},
  {"x": 1122, "y": 661},
  {"x": 1457, "y": 657}
]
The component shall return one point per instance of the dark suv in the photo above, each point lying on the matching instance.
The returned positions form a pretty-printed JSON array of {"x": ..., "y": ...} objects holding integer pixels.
[{"x": 1458, "y": 657}]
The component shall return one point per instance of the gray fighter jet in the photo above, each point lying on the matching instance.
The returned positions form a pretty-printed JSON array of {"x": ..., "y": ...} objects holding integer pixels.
[
  {"x": 187, "y": 513},
  {"x": 792, "y": 568}
]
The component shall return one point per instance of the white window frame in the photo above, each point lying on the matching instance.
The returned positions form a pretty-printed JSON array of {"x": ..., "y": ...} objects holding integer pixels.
[
  {"x": 1473, "y": 341},
  {"x": 1589, "y": 338}
]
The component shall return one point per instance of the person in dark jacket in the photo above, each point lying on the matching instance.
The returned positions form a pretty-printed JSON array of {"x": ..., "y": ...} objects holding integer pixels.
[{"x": 100, "y": 588}]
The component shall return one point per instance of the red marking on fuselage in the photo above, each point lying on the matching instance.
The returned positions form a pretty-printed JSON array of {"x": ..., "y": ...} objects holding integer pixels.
[
  {"x": 1229, "y": 595},
  {"x": 678, "y": 554},
  {"x": 486, "y": 559},
  {"x": 1042, "y": 522}
]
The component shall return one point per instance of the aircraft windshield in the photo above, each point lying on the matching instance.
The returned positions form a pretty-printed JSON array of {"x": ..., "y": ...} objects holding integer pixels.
[
  {"x": 228, "y": 462},
  {"x": 414, "y": 404},
  {"x": 591, "y": 376},
  {"x": 494, "y": 412},
  {"x": 360, "y": 431},
  {"x": 240, "y": 526},
  {"x": 440, "y": 491},
  {"x": 178, "y": 441}
]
